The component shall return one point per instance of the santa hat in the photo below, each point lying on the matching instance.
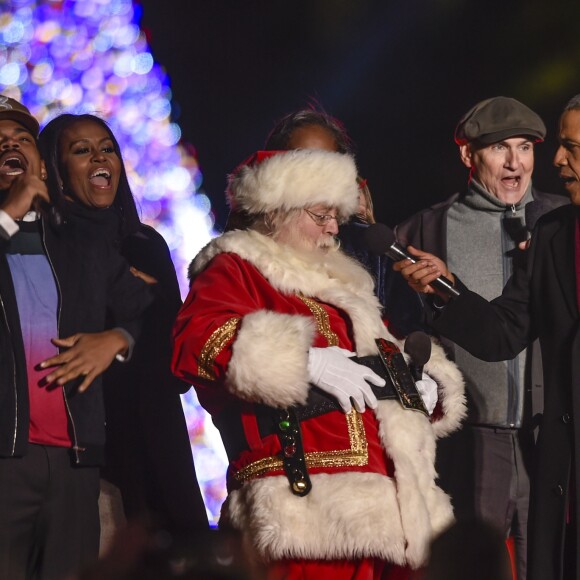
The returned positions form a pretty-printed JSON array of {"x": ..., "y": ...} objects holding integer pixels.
[{"x": 286, "y": 180}]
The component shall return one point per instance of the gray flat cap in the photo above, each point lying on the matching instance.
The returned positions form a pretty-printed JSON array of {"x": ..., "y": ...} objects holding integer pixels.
[{"x": 497, "y": 119}]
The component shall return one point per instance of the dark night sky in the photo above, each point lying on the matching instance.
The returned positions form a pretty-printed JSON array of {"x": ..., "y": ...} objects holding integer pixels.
[{"x": 399, "y": 74}]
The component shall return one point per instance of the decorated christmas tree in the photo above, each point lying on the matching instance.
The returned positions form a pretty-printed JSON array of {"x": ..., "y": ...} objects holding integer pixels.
[{"x": 90, "y": 56}]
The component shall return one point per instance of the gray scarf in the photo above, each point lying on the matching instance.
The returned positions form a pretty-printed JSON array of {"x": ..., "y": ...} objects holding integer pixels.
[{"x": 480, "y": 250}]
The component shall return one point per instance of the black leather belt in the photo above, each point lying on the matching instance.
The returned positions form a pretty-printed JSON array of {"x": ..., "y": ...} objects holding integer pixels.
[{"x": 285, "y": 423}]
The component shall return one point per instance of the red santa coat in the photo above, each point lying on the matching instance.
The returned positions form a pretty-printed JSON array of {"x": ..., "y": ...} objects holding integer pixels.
[{"x": 242, "y": 337}]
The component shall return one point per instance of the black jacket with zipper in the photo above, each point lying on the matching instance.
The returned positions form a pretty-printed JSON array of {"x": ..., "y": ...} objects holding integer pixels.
[{"x": 92, "y": 281}]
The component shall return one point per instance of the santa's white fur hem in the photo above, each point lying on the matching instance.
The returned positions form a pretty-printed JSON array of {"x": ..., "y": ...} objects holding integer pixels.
[{"x": 345, "y": 516}]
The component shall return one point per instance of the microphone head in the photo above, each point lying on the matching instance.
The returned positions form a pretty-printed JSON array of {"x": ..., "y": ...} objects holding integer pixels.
[
  {"x": 534, "y": 210},
  {"x": 418, "y": 347},
  {"x": 378, "y": 238}
]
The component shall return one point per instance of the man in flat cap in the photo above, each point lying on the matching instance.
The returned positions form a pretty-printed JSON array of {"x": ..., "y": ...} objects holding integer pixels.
[
  {"x": 540, "y": 300},
  {"x": 485, "y": 466}
]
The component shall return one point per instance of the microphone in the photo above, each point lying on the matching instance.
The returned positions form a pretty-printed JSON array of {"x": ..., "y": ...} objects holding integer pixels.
[
  {"x": 380, "y": 239},
  {"x": 418, "y": 347},
  {"x": 534, "y": 210},
  {"x": 48, "y": 210}
]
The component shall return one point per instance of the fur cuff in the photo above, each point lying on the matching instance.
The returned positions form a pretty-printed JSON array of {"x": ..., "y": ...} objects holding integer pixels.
[
  {"x": 270, "y": 357},
  {"x": 451, "y": 391}
]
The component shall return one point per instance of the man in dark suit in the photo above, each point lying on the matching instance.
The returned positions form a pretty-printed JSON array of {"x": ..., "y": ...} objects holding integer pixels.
[{"x": 541, "y": 299}]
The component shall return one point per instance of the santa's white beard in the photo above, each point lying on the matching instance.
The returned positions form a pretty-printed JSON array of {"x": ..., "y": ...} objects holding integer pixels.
[{"x": 293, "y": 238}]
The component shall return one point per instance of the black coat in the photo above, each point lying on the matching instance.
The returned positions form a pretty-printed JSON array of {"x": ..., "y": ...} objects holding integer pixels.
[
  {"x": 538, "y": 301},
  {"x": 148, "y": 449}
]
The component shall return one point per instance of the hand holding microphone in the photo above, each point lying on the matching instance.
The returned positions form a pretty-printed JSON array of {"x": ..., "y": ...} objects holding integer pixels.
[
  {"x": 425, "y": 273},
  {"x": 428, "y": 390},
  {"x": 418, "y": 347},
  {"x": 24, "y": 194},
  {"x": 28, "y": 192}
]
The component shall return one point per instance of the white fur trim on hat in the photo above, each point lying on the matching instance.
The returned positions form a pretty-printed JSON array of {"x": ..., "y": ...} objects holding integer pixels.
[{"x": 296, "y": 179}]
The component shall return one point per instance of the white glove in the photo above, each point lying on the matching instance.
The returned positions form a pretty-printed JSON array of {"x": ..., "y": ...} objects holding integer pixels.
[
  {"x": 331, "y": 370},
  {"x": 427, "y": 388}
]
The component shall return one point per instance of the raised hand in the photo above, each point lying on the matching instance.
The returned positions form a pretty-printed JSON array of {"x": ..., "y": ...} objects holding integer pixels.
[{"x": 426, "y": 269}]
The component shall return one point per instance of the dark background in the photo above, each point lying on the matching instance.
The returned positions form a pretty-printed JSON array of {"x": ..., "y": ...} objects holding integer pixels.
[{"x": 399, "y": 74}]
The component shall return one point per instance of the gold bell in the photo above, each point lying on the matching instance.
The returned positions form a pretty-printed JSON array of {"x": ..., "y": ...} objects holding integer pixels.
[{"x": 299, "y": 486}]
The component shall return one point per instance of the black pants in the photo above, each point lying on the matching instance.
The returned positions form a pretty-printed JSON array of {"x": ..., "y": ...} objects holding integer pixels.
[
  {"x": 484, "y": 470},
  {"x": 49, "y": 516}
]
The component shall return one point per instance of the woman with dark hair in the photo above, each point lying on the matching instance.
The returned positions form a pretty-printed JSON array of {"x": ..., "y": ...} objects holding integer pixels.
[
  {"x": 121, "y": 199},
  {"x": 148, "y": 452},
  {"x": 283, "y": 134},
  {"x": 313, "y": 128}
]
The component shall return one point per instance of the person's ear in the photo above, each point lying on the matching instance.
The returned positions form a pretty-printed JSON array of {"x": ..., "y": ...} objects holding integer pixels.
[
  {"x": 43, "y": 173},
  {"x": 466, "y": 155}
]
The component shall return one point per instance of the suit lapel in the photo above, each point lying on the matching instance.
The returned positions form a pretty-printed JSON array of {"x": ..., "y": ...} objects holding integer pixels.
[{"x": 562, "y": 247}]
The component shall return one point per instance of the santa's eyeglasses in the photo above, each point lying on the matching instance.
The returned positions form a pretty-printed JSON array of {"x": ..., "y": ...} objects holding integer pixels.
[{"x": 322, "y": 220}]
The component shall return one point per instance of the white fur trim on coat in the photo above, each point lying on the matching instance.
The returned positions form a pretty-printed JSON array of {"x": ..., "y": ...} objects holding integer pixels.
[
  {"x": 425, "y": 510},
  {"x": 345, "y": 516},
  {"x": 451, "y": 390},
  {"x": 353, "y": 515},
  {"x": 270, "y": 358},
  {"x": 333, "y": 278},
  {"x": 296, "y": 179}
]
